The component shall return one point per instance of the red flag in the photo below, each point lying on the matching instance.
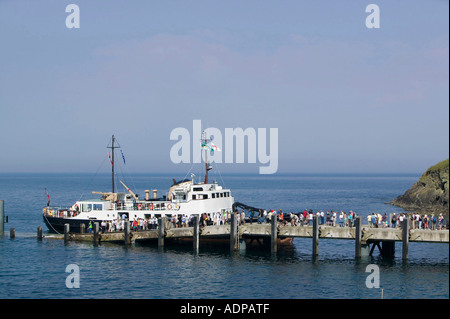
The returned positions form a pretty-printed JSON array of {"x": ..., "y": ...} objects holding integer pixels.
[
  {"x": 109, "y": 155},
  {"x": 48, "y": 197}
]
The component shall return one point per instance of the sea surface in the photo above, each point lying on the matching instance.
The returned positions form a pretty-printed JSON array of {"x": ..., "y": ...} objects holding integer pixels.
[{"x": 37, "y": 269}]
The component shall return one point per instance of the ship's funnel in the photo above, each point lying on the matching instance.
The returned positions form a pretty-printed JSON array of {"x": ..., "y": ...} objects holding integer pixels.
[
  {"x": 155, "y": 191},
  {"x": 147, "y": 194}
]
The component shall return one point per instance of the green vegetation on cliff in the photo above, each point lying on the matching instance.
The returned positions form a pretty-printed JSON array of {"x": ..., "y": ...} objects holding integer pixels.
[
  {"x": 430, "y": 194},
  {"x": 439, "y": 167}
]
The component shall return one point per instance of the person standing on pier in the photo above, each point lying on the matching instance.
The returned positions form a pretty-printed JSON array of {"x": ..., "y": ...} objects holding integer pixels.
[
  {"x": 441, "y": 221},
  {"x": 341, "y": 219},
  {"x": 394, "y": 221},
  {"x": 350, "y": 219},
  {"x": 425, "y": 222},
  {"x": 400, "y": 220},
  {"x": 384, "y": 220},
  {"x": 433, "y": 222}
]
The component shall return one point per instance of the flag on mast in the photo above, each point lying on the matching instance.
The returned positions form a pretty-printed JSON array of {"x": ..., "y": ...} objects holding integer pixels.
[
  {"x": 123, "y": 157},
  {"x": 211, "y": 147},
  {"x": 48, "y": 197},
  {"x": 109, "y": 155},
  {"x": 215, "y": 147},
  {"x": 205, "y": 146}
]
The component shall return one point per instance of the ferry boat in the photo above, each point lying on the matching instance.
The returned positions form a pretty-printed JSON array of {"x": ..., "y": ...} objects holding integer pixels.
[{"x": 183, "y": 198}]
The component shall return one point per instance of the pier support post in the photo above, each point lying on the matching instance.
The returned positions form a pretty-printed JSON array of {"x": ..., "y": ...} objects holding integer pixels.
[
  {"x": 95, "y": 237},
  {"x": 66, "y": 233},
  {"x": 12, "y": 233},
  {"x": 161, "y": 230},
  {"x": 405, "y": 238},
  {"x": 196, "y": 239},
  {"x": 273, "y": 233},
  {"x": 388, "y": 249},
  {"x": 126, "y": 232},
  {"x": 315, "y": 239},
  {"x": 234, "y": 232},
  {"x": 365, "y": 250},
  {"x": 2, "y": 216},
  {"x": 82, "y": 228},
  {"x": 39, "y": 233},
  {"x": 358, "y": 235}
]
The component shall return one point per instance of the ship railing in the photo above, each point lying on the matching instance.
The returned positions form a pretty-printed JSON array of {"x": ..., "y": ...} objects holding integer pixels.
[
  {"x": 166, "y": 206},
  {"x": 58, "y": 211}
]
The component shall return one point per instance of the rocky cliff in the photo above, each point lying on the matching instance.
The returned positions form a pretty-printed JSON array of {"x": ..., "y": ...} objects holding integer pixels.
[{"x": 430, "y": 193}]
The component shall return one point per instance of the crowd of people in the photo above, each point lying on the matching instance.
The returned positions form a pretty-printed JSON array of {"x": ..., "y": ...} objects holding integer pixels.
[
  {"x": 119, "y": 224},
  {"x": 304, "y": 218},
  {"x": 418, "y": 221}
]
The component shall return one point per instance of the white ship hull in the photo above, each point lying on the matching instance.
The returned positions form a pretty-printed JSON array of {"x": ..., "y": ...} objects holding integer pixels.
[{"x": 186, "y": 199}]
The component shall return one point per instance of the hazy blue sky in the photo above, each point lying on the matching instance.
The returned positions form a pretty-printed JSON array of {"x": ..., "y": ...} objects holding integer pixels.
[{"x": 344, "y": 98}]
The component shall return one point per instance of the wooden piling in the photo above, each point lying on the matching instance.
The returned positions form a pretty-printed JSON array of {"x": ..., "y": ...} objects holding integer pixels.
[
  {"x": 358, "y": 234},
  {"x": 39, "y": 233},
  {"x": 82, "y": 228},
  {"x": 2, "y": 216},
  {"x": 12, "y": 233},
  {"x": 405, "y": 238},
  {"x": 273, "y": 233},
  {"x": 126, "y": 239},
  {"x": 315, "y": 239},
  {"x": 234, "y": 232},
  {"x": 66, "y": 233},
  {"x": 161, "y": 230},
  {"x": 95, "y": 237},
  {"x": 196, "y": 239}
]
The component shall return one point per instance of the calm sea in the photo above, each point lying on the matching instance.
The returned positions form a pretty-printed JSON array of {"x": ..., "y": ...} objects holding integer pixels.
[{"x": 32, "y": 269}]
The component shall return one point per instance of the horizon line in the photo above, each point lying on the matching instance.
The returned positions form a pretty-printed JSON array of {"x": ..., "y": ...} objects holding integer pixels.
[{"x": 227, "y": 173}]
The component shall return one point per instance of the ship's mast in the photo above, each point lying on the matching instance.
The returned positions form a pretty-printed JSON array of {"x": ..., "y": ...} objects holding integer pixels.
[
  {"x": 207, "y": 167},
  {"x": 112, "y": 147},
  {"x": 206, "y": 159}
]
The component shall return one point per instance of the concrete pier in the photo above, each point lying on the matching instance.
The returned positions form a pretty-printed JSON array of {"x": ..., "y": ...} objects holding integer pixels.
[{"x": 273, "y": 235}]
